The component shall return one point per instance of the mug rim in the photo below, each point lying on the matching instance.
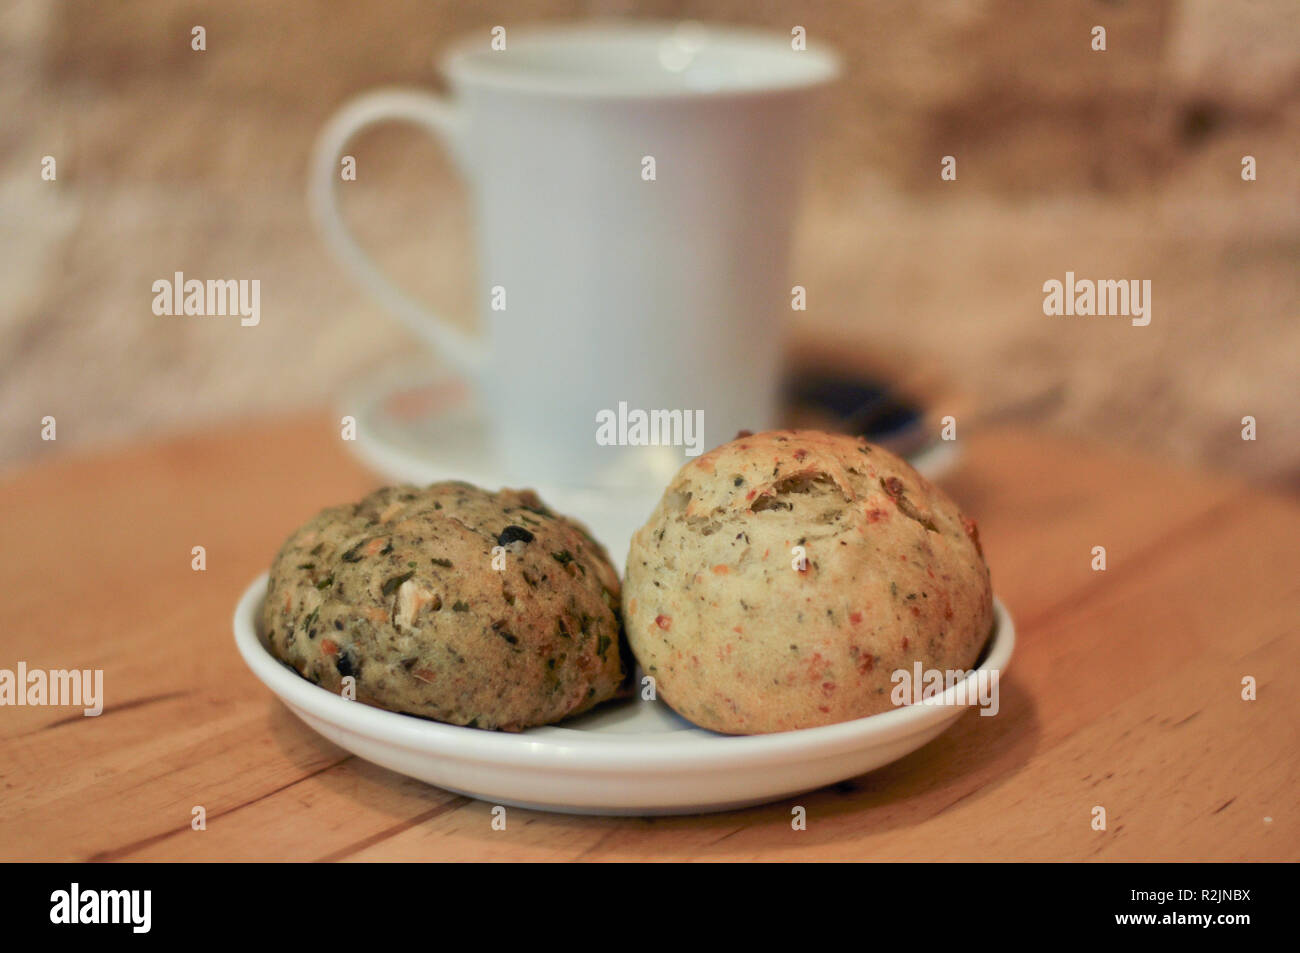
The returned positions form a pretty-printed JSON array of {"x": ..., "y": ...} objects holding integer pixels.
[{"x": 468, "y": 62}]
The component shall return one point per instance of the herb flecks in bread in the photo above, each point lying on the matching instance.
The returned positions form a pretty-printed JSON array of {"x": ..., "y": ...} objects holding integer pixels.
[
  {"x": 786, "y": 575},
  {"x": 399, "y": 591}
]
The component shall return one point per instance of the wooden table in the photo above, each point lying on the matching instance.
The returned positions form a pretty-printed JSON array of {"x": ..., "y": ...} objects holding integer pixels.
[{"x": 1125, "y": 691}]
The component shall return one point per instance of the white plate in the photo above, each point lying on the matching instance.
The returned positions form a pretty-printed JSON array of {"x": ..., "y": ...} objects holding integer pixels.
[
  {"x": 418, "y": 425},
  {"x": 632, "y": 757}
]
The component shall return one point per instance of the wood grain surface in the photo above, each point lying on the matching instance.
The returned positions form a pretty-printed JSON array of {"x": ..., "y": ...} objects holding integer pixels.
[{"x": 1125, "y": 691}]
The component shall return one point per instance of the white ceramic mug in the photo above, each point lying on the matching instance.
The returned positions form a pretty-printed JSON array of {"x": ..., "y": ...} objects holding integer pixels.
[{"x": 663, "y": 293}]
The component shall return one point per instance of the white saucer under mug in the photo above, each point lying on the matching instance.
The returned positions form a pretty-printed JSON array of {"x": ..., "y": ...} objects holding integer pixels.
[{"x": 417, "y": 425}]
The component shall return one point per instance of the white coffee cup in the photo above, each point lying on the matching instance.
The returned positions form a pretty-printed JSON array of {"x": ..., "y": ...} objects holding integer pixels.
[{"x": 657, "y": 293}]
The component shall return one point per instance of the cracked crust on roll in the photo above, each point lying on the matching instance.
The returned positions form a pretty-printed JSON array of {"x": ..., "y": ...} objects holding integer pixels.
[
  {"x": 744, "y": 636},
  {"x": 400, "y": 592}
]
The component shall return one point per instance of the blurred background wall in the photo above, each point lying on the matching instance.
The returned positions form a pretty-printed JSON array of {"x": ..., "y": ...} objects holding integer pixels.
[{"x": 1122, "y": 164}]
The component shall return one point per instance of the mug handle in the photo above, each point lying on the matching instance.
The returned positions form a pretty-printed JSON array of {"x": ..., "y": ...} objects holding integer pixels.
[{"x": 437, "y": 117}]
